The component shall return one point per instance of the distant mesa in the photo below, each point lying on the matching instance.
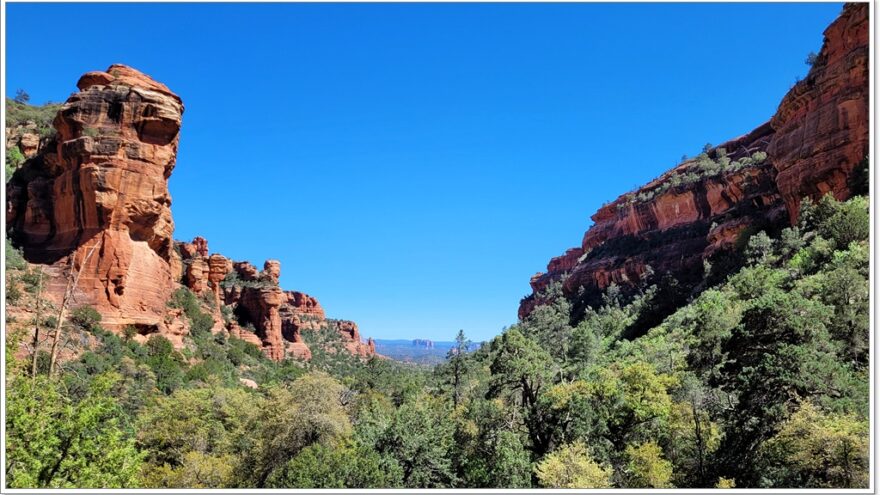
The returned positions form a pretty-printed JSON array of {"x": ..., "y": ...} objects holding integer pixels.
[{"x": 427, "y": 344}]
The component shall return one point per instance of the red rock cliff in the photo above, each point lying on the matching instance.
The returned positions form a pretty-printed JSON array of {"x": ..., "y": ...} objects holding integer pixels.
[
  {"x": 95, "y": 199},
  {"x": 821, "y": 126},
  {"x": 813, "y": 142},
  {"x": 98, "y": 201}
]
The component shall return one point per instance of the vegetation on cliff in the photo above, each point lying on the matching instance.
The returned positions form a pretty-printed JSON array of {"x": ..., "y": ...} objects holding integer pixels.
[{"x": 759, "y": 381}]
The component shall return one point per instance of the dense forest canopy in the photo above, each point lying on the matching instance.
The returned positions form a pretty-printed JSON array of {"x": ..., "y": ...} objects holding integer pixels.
[{"x": 760, "y": 379}]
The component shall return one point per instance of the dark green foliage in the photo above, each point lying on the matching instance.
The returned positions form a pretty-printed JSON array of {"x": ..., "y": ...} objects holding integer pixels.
[
  {"x": 20, "y": 113},
  {"x": 344, "y": 466},
  {"x": 166, "y": 363},
  {"x": 860, "y": 179},
  {"x": 420, "y": 439},
  {"x": 14, "y": 258},
  {"x": 200, "y": 322},
  {"x": 85, "y": 317},
  {"x": 232, "y": 279},
  {"x": 759, "y": 377},
  {"x": 21, "y": 96},
  {"x": 811, "y": 59}
]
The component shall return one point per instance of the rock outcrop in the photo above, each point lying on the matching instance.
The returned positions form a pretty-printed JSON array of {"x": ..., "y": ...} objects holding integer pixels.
[
  {"x": 98, "y": 203},
  {"x": 92, "y": 204},
  {"x": 675, "y": 223},
  {"x": 260, "y": 306},
  {"x": 821, "y": 126},
  {"x": 26, "y": 138}
]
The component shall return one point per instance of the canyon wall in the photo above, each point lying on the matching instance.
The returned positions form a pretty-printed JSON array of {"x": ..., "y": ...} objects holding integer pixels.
[
  {"x": 95, "y": 204},
  {"x": 91, "y": 207},
  {"x": 686, "y": 217}
]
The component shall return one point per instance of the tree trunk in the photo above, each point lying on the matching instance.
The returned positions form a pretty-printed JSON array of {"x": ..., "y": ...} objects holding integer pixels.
[
  {"x": 37, "y": 324},
  {"x": 72, "y": 281}
]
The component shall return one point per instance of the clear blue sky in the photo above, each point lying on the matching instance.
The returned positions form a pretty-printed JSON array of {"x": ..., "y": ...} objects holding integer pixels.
[{"x": 413, "y": 165}]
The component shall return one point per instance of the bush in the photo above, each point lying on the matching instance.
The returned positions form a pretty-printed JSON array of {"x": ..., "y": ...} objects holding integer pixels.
[
  {"x": 31, "y": 280},
  {"x": 14, "y": 159},
  {"x": 13, "y": 293},
  {"x": 20, "y": 113},
  {"x": 85, "y": 317},
  {"x": 14, "y": 258}
]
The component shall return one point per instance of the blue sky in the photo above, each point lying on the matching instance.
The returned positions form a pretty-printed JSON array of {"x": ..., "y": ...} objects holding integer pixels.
[{"x": 413, "y": 165}]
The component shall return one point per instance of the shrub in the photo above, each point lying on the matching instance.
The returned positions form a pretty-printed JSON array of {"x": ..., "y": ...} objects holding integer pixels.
[
  {"x": 20, "y": 113},
  {"x": 31, "y": 280},
  {"x": 14, "y": 159},
  {"x": 21, "y": 96},
  {"x": 14, "y": 258},
  {"x": 13, "y": 293},
  {"x": 85, "y": 317}
]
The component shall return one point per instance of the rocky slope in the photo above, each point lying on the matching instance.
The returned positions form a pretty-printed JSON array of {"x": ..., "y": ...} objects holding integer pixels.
[
  {"x": 91, "y": 206},
  {"x": 697, "y": 211}
]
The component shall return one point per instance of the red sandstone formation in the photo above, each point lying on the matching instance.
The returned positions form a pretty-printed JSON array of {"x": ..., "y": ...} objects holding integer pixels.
[
  {"x": 272, "y": 271},
  {"x": 305, "y": 304},
  {"x": 260, "y": 306},
  {"x": 96, "y": 198},
  {"x": 197, "y": 275},
  {"x": 236, "y": 331},
  {"x": 99, "y": 200},
  {"x": 246, "y": 270},
  {"x": 218, "y": 267},
  {"x": 822, "y": 123},
  {"x": 200, "y": 244},
  {"x": 26, "y": 138},
  {"x": 817, "y": 137},
  {"x": 351, "y": 338}
]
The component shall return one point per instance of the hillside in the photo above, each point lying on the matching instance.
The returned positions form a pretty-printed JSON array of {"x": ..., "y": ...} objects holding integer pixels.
[
  {"x": 711, "y": 331},
  {"x": 691, "y": 217}
]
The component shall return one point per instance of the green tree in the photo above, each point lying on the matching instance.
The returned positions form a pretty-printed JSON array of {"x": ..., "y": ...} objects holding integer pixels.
[
  {"x": 818, "y": 450},
  {"x": 647, "y": 468},
  {"x": 166, "y": 363},
  {"x": 307, "y": 412},
  {"x": 458, "y": 365},
  {"x": 487, "y": 453},
  {"x": 53, "y": 442},
  {"x": 571, "y": 466},
  {"x": 420, "y": 439},
  {"x": 340, "y": 466},
  {"x": 212, "y": 421},
  {"x": 521, "y": 369}
]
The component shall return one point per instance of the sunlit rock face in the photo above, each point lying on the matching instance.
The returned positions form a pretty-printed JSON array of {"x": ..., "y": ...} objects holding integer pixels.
[
  {"x": 817, "y": 137},
  {"x": 98, "y": 200},
  {"x": 821, "y": 126}
]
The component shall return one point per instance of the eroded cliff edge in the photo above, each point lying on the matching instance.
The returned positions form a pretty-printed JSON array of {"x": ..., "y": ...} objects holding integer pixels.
[
  {"x": 91, "y": 206},
  {"x": 693, "y": 215}
]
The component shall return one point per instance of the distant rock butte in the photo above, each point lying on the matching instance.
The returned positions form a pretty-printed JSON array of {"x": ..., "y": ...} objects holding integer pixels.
[
  {"x": 813, "y": 142},
  {"x": 94, "y": 200}
]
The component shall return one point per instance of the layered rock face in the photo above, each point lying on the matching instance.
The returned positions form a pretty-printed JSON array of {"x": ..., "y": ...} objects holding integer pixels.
[
  {"x": 26, "y": 138},
  {"x": 671, "y": 226},
  {"x": 821, "y": 126},
  {"x": 97, "y": 203},
  {"x": 279, "y": 317},
  {"x": 92, "y": 204}
]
